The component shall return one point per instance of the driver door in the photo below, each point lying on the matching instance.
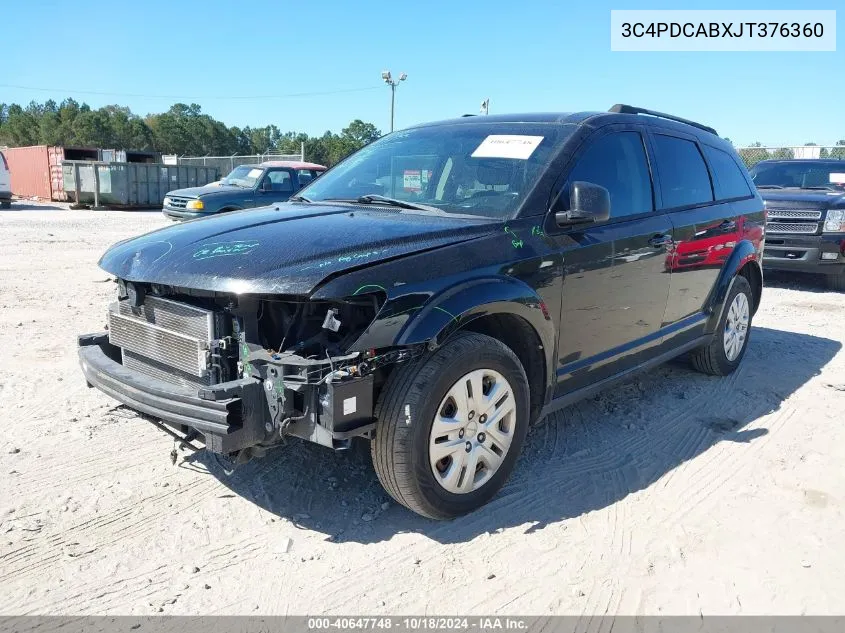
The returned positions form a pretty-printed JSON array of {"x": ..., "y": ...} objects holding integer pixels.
[
  {"x": 615, "y": 286},
  {"x": 277, "y": 186}
]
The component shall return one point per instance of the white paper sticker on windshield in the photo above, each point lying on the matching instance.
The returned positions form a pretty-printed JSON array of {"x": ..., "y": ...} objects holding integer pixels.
[
  {"x": 837, "y": 178},
  {"x": 507, "y": 146},
  {"x": 412, "y": 180},
  {"x": 254, "y": 173}
]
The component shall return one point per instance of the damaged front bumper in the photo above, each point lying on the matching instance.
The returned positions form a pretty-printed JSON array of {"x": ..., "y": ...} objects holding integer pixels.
[{"x": 232, "y": 416}]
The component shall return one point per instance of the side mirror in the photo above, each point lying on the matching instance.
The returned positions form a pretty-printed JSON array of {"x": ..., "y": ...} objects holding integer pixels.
[{"x": 587, "y": 203}]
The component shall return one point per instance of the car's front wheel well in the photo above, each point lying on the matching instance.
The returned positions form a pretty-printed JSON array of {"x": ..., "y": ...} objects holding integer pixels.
[
  {"x": 522, "y": 339},
  {"x": 752, "y": 274}
]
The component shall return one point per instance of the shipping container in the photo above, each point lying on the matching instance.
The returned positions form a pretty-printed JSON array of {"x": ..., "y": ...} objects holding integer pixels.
[
  {"x": 55, "y": 157},
  {"x": 37, "y": 170},
  {"x": 125, "y": 185},
  {"x": 29, "y": 168}
]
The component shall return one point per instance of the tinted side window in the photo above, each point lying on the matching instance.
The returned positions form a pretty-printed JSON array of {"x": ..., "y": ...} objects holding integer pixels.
[
  {"x": 730, "y": 182},
  {"x": 618, "y": 163},
  {"x": 684, "y": 179}
]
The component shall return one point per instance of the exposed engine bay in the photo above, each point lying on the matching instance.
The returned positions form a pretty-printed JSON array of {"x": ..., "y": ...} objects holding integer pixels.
[{"x": 293, "y": 351}]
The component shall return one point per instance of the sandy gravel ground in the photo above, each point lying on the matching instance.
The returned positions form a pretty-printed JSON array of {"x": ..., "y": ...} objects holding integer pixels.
[{"x": 674, "y": 494}]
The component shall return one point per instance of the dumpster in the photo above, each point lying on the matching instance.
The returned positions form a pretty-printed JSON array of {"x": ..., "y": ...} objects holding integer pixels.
[
  {"x": 127, "y": 185},
  {"x": 37, "y": 170}
]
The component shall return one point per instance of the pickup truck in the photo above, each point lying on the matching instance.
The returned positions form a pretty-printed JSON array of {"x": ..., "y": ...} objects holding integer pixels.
[
  {"x": 439, "y": 291},
  {"x": 245, "y": 187},
  {"x": 805, "y": 203}
]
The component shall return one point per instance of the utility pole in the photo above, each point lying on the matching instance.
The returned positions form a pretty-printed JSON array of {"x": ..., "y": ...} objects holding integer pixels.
[{"x": 388, "y": 79}]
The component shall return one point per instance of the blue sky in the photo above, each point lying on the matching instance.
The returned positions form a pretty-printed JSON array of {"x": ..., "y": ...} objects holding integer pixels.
[{"x": 529, "y": 55}]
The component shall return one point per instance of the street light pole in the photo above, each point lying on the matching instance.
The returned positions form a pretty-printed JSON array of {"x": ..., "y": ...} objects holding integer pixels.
[
  {"x": 392, "y": 103},
  {"x": 388, "y": 79}
]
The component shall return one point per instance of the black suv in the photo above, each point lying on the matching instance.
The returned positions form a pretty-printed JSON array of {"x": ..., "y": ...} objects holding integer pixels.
[
  {"x": 805, "y": 201},
  {"x": 440, "y": 290}
]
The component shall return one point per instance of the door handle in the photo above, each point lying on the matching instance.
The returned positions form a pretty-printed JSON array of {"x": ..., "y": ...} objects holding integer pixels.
[{"x": 660, "y": 240}]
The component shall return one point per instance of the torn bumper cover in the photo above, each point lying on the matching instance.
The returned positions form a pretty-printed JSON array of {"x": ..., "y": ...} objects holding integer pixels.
[{"x": 233, "y": 415}]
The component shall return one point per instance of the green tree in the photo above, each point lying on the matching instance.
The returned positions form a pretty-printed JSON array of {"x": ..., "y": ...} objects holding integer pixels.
[
  {"x": 20, "y": 128},
  {"x": 360, "y": 133},
  {"x": 183, "y": 129}
]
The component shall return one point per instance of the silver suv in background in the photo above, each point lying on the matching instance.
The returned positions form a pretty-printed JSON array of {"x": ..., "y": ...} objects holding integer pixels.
[{"x": 5, "y": 183}]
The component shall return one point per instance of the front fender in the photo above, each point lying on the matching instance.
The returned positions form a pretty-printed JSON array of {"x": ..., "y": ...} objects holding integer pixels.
[
  {"x": 418, "y": 318},
  {"x": 449, "y": 310},
  {"x": 743, "y": 253}
]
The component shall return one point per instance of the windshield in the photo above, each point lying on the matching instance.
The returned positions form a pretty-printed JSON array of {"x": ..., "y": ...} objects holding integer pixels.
[
  {"x": 484, "y": 169},
  {"x": 800, "y": 174},
  {"x": 243, "y": 176}
]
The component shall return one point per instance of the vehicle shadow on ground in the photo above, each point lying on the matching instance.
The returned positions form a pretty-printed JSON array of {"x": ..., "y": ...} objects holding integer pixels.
[
  {"x": 796, "y": 281},
  {"x": 24, "y": 206},
  {"x": 583, "y": 458}
]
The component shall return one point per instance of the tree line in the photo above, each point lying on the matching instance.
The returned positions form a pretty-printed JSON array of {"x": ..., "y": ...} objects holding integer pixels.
[{"x": 183, "y": 129}]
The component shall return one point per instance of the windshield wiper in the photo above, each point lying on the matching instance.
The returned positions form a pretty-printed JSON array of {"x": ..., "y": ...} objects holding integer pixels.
[
  {"x": 770, "y": 187},
  {"x": 402, "y": 204},
  {"x": 372, "y": 198},
  {"x": 820, "y": 188},
  {"x": 300, "y": 199},
  {"x": 234, "y": 184}
]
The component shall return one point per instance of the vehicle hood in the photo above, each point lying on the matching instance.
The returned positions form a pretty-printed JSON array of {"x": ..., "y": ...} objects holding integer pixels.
[
  {"x": 196, "y": 192},
  {"x": 289, "y": 248},
  {"x": 816, "y": 198}
]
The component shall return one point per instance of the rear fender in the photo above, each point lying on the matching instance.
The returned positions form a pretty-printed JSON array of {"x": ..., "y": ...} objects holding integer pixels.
[{"x": 743, "y": 253}]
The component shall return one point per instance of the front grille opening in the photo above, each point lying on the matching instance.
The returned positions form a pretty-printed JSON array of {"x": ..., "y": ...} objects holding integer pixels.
[
  {"x": 804, "y": 228},
  {"x": 178, "y": 203},
  {"x": 167, "y": 340},
  {"x": 165, "y": 373},
  {"x": 297, "y": 326}
]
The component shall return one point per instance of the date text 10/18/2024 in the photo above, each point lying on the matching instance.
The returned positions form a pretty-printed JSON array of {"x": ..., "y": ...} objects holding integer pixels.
[{"x": 422, "y": 623}]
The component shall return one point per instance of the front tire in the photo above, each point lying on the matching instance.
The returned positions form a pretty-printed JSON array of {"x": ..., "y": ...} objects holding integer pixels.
[
  {"x": 450, "y": 427},
  {"x": 725, "y": 352}
]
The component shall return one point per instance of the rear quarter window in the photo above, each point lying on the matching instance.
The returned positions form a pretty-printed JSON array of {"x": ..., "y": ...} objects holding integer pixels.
[
  {"x": 684, "y": 179},
  {"x": 729, "y": 179}
]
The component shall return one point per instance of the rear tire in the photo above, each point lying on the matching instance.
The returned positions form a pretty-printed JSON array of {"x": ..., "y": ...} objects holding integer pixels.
[
  {"x": 725, "y": 352},
  {"x": 411, "y": 414},
  {"x": 836, "y": 282}
]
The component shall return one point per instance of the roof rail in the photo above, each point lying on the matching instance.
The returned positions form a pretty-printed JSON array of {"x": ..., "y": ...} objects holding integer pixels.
[{"x": 621, "y": 108}]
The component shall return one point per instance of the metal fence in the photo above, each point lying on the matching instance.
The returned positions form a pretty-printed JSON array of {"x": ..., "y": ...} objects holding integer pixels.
[
  {"x": 225, "y": 164},
  {"x": 753, "y": 155}
]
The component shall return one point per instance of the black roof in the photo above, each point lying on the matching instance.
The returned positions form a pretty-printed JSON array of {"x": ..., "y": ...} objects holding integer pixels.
[
  {"x": 617, "y": 114},
  {"x": 531, "y": 117}
]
